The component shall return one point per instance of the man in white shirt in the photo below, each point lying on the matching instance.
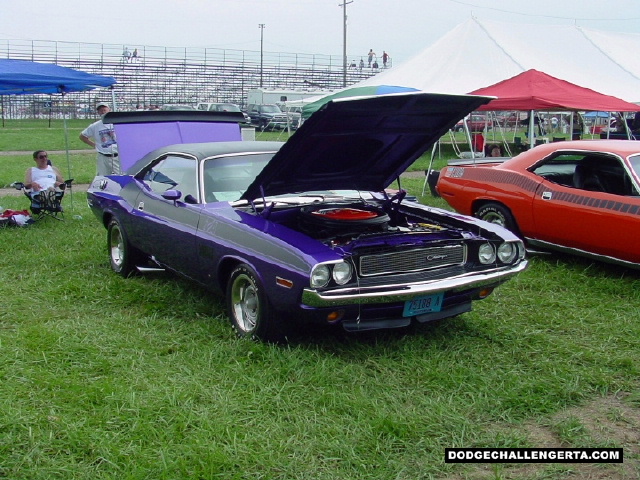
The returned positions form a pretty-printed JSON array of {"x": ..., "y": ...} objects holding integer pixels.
[{"x": 102, "y": 137}]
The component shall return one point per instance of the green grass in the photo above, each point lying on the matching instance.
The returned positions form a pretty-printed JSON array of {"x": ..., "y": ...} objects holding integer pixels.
[
  {"x": 111, "y": 378},
  {"x": 30, "y": 135}
]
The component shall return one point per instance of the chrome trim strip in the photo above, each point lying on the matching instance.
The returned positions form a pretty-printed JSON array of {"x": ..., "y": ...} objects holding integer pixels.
[
  {"x": 581, "y": 253},
  {"x": 401, "y": 293}
]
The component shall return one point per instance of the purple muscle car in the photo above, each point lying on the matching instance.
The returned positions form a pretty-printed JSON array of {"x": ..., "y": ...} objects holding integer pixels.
[{"x": 304, "y": 231}]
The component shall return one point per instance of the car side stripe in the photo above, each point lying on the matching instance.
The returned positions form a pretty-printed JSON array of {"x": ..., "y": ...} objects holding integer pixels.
[{"x": 529, "y": 185}]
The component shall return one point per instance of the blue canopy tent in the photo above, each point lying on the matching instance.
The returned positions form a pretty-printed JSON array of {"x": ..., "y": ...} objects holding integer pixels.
[{"x": 22, "y": 77}]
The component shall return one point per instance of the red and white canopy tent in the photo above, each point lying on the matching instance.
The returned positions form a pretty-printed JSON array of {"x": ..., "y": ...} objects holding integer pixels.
[{"x": 533, "y": 90}]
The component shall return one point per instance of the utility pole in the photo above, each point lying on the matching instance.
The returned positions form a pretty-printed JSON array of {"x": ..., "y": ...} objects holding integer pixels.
[
  {"x": 344, "y": 41},
  {"x": 261, "y": 26}
]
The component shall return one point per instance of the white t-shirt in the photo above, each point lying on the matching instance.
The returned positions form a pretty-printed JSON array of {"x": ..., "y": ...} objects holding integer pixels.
[
  {"x": 45, "y": 178},
  {"x": 103, "y": 135}
]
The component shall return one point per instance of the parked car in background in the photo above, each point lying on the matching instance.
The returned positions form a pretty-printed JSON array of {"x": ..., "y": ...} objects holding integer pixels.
[
  {"x": 268, "y": 117},
  {"x": 304, "y": 231},
  {"x": 476, "y": 123},
  {"x": 294, "y": 115},
  {"x": 176, "y": 106},
  {"x": 581, "y": 197},
  {"x": 222, "y": 107}
]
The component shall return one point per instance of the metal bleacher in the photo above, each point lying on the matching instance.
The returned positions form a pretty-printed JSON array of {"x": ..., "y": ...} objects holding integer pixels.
[{"x": 159, "y": 75}]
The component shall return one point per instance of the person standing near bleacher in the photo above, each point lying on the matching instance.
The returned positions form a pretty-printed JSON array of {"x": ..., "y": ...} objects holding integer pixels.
[{"x": 102, "y": 137}]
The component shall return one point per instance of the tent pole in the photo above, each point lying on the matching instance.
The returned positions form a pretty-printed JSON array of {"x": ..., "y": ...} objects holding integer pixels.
[
  {"x": 66, "y": 147},
  {"x": 113, "y": 98},
  {"x": 426, "y": 174},
  {"x": 468, "y": 135},
  {"x": 532, "y": 124}
]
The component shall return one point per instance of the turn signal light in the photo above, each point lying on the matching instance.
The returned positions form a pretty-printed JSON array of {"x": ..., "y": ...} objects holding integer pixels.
[
  {"x": 336, "y": 316},
  {"x": 484, "y": 293}
]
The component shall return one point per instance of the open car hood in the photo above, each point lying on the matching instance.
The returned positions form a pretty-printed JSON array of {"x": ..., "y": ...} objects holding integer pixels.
[{"x": 361, "y": 143}]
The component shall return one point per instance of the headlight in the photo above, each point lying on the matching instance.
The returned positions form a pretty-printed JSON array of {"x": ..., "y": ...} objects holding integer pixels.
[
  {"x": 486, "y": 254},
  {"x": 320, "y": 276},
  {"x": 507, "y": 252},
  {"x": 342, "y": 273}
]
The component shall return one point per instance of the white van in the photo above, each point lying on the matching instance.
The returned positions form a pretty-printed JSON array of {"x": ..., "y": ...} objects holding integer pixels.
[{"x": 222, "y": 107}]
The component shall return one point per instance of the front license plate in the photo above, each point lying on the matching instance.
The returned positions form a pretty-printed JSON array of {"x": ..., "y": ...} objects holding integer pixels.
[{"x": 420, "y": 305}]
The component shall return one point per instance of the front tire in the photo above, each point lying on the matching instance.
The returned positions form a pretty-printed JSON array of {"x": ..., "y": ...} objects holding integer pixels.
[
  {"x": 250, "y": 311},
  {"x": 499, "y": 214},
  {"x": 121, "y": 254}
]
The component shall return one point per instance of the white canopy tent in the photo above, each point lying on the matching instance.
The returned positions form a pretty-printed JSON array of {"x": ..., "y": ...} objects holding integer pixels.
[{"x": 477, "y": 54}]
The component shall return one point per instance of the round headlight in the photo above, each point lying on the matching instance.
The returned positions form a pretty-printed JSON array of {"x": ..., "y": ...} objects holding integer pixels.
[
  {"x": 342, "y": 273},
  {"x": 320, "y": 276},
  {"x": 507, "y": 252},
  {"x": 486, "y": 254}
]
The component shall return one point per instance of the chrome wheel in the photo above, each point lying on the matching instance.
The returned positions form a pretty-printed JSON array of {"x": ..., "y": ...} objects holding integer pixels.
[
  {"x": 116, "y": 246},
  {"x": 499, "y": 214},
  {"x": 121, "y": 254},
  {"x": 245, "y": 303},
  {"x": 494, "y": 217},
  {"x": 250, "y": 311}
]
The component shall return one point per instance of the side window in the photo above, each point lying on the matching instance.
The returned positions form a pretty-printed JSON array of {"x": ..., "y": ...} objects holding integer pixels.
[
  {"x": 174, "y": 173},
  {"x": 593, "y": 172},
  {"x": 559, "y": 168}
]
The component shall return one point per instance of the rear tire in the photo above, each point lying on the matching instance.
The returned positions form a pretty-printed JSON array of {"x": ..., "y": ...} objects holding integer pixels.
[
  {"x": 121, "y": 254},
  {"x": 250, "y": 311},
  {"x": 499, "y": 214}
]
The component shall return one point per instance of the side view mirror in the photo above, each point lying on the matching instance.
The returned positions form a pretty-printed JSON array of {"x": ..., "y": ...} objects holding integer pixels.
[{"x": 172, "y": 195}]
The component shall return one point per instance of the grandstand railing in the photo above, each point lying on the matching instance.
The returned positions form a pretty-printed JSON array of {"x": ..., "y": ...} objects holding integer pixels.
[{"x": 158, "y": 75}]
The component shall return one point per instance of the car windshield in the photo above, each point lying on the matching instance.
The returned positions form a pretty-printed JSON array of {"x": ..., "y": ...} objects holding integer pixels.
[
  {"x": 227, "y": 178},
  {"x": 271, "y": 109}
]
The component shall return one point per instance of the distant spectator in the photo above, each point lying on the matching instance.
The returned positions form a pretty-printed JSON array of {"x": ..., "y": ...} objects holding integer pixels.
[
  {"x": 635, "y": 124},
  {"x": 578, "y": 126},
  {"x": 126, "y": 55},
  {"x": 495, "y": 151},
  {"x": 134, "y": 56},
  {"x": 370, "y": 56},
  {"x": 554, "y": 124},
  {"x": 361, "y": 64},
  {"x": 385, "y": 58},
  {"x": 375, "y": 65}
]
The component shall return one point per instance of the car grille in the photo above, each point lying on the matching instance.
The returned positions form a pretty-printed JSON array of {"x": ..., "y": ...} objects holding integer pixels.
[{"x": 413, "y": 260}]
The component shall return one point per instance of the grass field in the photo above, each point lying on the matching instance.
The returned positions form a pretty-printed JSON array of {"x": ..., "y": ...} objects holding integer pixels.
[{"x": 142, "y": 378}]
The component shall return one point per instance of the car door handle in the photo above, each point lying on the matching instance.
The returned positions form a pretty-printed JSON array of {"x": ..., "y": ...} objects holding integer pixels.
[
  {"x": 141, "y": 206},
  {"x": 547, "y": 195}
]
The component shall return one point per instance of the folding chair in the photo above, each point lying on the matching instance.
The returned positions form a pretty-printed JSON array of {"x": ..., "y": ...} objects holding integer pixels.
[{"x": 47, "y": 202}]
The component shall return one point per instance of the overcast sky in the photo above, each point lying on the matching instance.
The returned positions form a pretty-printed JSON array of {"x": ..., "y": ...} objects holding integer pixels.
[{"x": 401, "y": 27}]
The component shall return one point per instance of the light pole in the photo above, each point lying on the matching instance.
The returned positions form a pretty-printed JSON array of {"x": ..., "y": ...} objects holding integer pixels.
[
  {"x": 261, "y": 26},
  {"x": 344, "y": 41}
]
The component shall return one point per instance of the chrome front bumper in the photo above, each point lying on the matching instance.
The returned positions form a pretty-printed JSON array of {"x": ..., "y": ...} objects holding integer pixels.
[{"x": 401, "y": 293}]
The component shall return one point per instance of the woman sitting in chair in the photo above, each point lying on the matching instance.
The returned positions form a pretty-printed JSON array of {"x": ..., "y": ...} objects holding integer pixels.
[
  {"x": 42, "y": 181},
  {"x": 43, "y": 176}
]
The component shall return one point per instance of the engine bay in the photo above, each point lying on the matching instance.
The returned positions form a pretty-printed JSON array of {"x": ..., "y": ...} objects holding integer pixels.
[{"x": 338, "y": 224}]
